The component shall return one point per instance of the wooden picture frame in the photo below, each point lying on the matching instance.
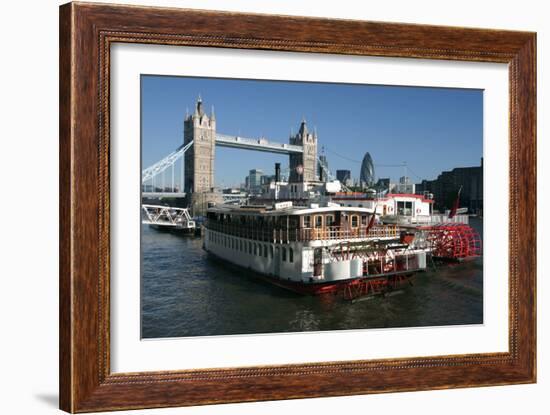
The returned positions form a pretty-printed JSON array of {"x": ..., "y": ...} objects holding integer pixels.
[{"x": 86, "y": 33}]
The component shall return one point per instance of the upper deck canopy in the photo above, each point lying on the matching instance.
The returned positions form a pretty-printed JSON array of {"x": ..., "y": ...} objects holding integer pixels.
[{"x": 261, "y": 210}]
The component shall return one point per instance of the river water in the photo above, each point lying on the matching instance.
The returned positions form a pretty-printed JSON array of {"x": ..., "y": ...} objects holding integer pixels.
[{"x": 185, "y": 293}]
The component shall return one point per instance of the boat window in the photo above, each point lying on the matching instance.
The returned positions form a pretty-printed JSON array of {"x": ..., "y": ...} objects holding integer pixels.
[
  {"x": 265, "y": 251},
  {"x": 318, "y": 221},
  {"x": 284, "y": 254},
  {"x": 255, "y": 249},
  {"x": 250, "y": 247},
  {"x": 405, "y": 208},
  {"x": 290, "y": 255},
  {"x": 329, "y": 220},
  {"x": 364, "y": 220},
  {"x": 354, "y": 221},
  {"x": 307, "y": 221},
  {"x": 271, "y": 251}
]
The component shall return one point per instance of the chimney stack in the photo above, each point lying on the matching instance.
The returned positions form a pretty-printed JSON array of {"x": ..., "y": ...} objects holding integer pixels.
[{"x": 277, "y": 172}]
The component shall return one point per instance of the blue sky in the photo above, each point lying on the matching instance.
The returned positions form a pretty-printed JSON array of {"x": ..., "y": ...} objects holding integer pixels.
[{"x": 431, "y": 129}]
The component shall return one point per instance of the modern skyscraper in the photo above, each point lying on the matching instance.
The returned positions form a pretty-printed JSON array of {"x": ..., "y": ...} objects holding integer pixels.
[
  {"x": 366, "y": 176},
  {"x": 255, "y": 180}
]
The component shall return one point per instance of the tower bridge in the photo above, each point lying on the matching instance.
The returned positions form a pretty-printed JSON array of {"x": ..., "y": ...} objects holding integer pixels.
[{"x": 200, "y": 137}]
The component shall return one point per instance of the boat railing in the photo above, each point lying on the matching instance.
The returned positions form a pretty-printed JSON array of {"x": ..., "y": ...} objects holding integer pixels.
[
  {"x": 282, "y": 235},
  {"x": 345, "y": 232}
]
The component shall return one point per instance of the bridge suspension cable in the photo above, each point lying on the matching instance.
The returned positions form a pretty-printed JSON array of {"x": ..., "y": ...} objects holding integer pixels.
[{"x": 160, "y": 166}]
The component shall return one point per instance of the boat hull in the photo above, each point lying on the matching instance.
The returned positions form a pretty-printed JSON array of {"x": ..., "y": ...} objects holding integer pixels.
[
  {"x": 350, "y": 288},
  {"x": 175, "y": 229}
]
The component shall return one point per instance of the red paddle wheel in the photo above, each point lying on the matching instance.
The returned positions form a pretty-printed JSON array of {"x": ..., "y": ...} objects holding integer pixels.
[{"x": 454, "y": 241}]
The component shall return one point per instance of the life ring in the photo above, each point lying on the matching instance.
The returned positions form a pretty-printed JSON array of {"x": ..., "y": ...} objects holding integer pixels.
[
  {"x": 417, "y": 210},
  {"x": 390, "y": 209}
]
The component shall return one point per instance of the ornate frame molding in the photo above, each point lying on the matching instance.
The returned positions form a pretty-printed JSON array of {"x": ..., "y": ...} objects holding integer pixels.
[{"x": 86, "y": 33}]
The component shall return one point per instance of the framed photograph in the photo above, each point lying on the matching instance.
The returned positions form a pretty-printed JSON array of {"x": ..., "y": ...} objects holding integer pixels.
[{"x": 259, "y": 207}]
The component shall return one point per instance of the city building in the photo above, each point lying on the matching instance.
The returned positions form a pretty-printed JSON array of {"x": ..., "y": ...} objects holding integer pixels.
[
  {"x": 405, "y": 186},
  {"x": 255, "y": 180},
  {"x": 366, "y": 176},
  {"x": 344, "y": 177},
  {"x": 445, "y": 188}
]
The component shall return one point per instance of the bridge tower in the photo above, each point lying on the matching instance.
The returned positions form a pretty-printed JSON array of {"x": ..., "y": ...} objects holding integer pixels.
[
  {"x": 307, "y": 159},
  {"x": 199, "y": 159}
]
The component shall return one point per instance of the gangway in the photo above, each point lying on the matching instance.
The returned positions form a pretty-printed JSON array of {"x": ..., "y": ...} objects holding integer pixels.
[{"x": 168, "y": 218}]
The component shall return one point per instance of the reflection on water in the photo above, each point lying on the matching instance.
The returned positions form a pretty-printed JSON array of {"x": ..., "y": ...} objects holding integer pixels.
[{"x": 185, "y": 293}]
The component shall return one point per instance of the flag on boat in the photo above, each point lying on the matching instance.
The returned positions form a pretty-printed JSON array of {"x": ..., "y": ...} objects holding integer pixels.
[
  {"x": 371, "y": 221},
  {"x": 454, "y": 209}
]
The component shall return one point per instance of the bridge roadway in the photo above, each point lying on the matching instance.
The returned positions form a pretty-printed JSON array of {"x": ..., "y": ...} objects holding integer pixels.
[
  {"x": 257, "y": 144},
  {"x": 155, "y": 195}
]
